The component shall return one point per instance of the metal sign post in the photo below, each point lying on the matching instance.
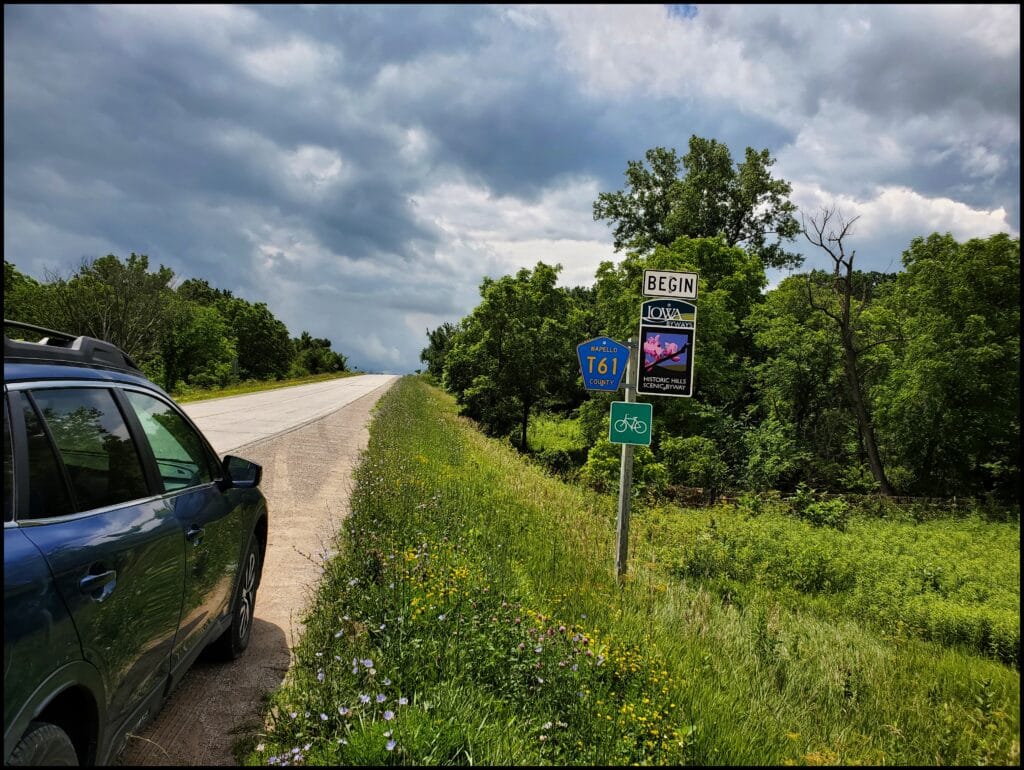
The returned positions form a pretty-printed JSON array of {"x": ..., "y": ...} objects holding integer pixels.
[{"x": 626, "y": 473}]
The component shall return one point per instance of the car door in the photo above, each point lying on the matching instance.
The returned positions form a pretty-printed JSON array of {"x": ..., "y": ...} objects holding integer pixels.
[
  {"x": 116, "y": 550},
  {"x": 213, "y": 523}
]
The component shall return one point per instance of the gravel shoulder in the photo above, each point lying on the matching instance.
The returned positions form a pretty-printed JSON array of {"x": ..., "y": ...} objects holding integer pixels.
[{"x": 307, "y": 480}]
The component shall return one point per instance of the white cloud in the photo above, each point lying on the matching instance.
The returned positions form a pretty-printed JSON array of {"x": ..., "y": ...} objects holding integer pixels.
[
  {"x": 296, "y": 62},
  {"x": 899, "y": 210},
  {"x": 495, "y": 235}
]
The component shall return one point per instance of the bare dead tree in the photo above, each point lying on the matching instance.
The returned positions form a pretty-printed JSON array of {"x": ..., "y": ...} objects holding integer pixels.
[{"x": 828, "y": 232}]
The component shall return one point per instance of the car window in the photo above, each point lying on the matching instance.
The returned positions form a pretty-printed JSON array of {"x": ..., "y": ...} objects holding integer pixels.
[
  {"x": 93, "y": 440},
  {"x": 179, "y": 451},
  {"x": 8, "y": 467},
  {"x": 47, "y": 491}
]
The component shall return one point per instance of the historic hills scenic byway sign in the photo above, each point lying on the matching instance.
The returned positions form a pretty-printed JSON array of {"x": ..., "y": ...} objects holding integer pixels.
[
  {"x": 602, "y": 363},
  {"x": 668, "y": 329}
]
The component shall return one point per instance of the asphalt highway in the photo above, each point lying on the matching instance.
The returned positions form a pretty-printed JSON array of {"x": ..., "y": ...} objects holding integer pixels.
[{"x": 235, "y": 421}]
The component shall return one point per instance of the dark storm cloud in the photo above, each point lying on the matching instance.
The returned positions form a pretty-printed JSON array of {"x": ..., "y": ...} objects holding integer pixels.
[{"x": 281, "y": 150}]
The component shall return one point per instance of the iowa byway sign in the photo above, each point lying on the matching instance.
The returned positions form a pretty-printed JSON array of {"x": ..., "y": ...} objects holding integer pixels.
[{"x": 668, "y": 329}]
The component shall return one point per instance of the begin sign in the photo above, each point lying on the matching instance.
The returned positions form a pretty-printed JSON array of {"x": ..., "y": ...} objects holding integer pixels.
[{"x": 670, "y": 283}]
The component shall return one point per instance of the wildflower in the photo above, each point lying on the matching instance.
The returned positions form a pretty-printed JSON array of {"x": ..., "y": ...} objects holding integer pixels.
[
  {"x": 320, "y": 675},
  {"x": 344, "y": 710},
  {"x": 389, "y": 715},
  {"x": 403, "y": 701},
  {"x": 441, "y": 616},
  {"x": 342, "y": 742},
  {"x": 368, "y": 663},
  {"x": 260, "y": 746},
  {"x": 381, "y": 697},
  {"x": 547, "y": 726},
  {"x": 538, "y": 650},
  {"x": 387, "y": 682},
  {"x": 339, "y": 633},
  {"x": 292, "y": 714},
  {"x": 391, "y": 745},
  {"x": 364, "y": 698},
  {"x": 352, "y": 582}
]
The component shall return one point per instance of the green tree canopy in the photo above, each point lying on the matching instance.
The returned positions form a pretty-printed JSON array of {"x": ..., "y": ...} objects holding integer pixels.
[
  {"x": 439, "y": 342},
  {"x": 742, "y": 203},
  {"x": 949, "y": 408},
  {"x": 121, "y": 302},
  {"x": 512, "y": 350}
]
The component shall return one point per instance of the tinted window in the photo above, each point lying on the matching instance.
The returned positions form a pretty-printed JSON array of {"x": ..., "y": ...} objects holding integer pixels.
[
  {"x": 179, "y": 451},
  {"x": 94, "y": 442},
  {"x": 8, "y": 468},
  {"x": 47, "y": 492}
]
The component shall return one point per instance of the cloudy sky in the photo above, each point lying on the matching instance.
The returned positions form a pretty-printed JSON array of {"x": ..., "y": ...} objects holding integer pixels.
[{"x": 362, "y": 168}]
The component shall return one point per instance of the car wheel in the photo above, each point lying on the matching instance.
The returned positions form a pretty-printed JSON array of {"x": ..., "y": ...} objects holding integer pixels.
[
  {"x": 44, "y": 744},
  {"x": 232, "y": 643}
]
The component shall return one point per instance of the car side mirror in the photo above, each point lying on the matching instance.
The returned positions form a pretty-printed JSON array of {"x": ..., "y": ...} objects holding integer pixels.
[{"x": 240, "y": 473}]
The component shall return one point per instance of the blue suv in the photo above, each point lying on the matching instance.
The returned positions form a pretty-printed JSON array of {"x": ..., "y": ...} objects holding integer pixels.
[{"x": 129, "y": 548}]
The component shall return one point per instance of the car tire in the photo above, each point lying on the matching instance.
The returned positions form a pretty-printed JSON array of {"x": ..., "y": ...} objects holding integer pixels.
[
  {"x": 232, "y": 643},
  {"x": 44, "y": 744}
]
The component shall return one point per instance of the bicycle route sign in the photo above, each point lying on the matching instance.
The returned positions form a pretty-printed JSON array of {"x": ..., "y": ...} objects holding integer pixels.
[
  {"x": 668, "y": 331},
  {"x": 630, "y": 423},
  {"x": 602, "y": 363}
]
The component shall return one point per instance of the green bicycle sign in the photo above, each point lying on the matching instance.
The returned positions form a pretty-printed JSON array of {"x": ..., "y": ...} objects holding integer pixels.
[{"x": 630, "y": 423}]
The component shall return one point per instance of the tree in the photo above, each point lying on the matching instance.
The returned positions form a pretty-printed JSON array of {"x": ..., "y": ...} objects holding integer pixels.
[
  {"x": 439, "y": 342},
  {"x": 120, "y": 302},
  {"x": 835, "y": 299},
  {"x": 196, "y": 346},
  {"x": 744, "y": 204},
  {"x": 510, "y": 352},
  {"x": 950, "y": 404},
  {"x": 265, "y": 348},
  {"x": 313, "y": 355},
  {"x": 27, "y": 300}
]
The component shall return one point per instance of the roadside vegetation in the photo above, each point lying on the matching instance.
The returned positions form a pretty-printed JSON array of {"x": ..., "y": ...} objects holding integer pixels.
[
  {"x": 188, "y": 336},
  {"x": 844, "y": 380},
  {"x": 471, "y": 615},
  {"x": 186, "y": 394}
]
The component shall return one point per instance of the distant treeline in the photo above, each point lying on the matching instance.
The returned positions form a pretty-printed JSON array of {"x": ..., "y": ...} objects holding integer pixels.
[
  {"x": 836, "y": 379},
  {"x": 189, "y": 335}
]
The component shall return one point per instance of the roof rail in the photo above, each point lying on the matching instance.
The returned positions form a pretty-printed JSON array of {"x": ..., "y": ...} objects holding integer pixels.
[{"x": 61, "y": 347}]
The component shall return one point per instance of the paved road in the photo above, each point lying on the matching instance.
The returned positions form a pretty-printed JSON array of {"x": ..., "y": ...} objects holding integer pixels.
[
  {"x": 238, "y": 420},
  {"x": 307, "y": 482}
]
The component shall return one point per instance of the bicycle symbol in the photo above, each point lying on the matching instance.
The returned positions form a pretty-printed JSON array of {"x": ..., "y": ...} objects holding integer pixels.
[{"x": 631, "y": 422}]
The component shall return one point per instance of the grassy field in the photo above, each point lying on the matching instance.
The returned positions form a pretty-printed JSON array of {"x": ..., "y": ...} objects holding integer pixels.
[
  {"x": 471, "y": 616},
  {"x": 252, "y": 386}
]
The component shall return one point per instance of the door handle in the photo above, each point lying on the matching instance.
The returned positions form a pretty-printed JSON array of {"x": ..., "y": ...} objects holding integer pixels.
[
  {"x": 194, "y": 535},
  {"x": 100, "y": 585}
]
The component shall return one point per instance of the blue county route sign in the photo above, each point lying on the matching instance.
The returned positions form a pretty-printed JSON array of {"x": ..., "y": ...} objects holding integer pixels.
[
  {"x": 603, "y": 362},
  {"x": 668, "y": 331}
]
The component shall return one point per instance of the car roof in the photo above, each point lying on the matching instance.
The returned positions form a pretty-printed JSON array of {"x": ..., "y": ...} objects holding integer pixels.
[
  {"x": 24, "y": 371},
  {"x": 62, "y": 356}
]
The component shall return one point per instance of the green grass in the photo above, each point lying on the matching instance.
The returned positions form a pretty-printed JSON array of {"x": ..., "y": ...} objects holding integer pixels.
[
  {"x": 252, "y": 386},
  {"x": 550, "y": 432},
  {"x": 480, "y": 591}
]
